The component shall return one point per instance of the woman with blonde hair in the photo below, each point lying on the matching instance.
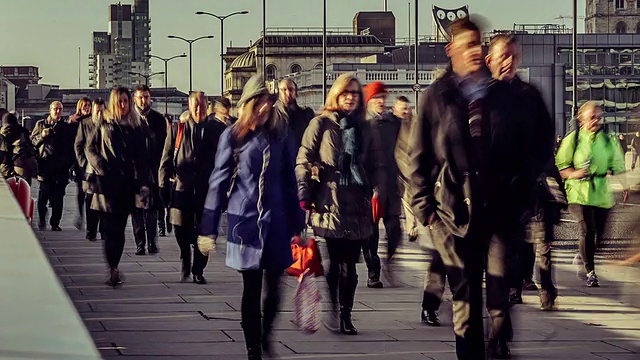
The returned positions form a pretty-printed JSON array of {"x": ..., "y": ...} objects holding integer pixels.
[
  {"x": 345, "y": 149},
  {"x": 118, "y": 158},
  {"x": 83, "y": 111},
  {"x": 254, "y": 181}
]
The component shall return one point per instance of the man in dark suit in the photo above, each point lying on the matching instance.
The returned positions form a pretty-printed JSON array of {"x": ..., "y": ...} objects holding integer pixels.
[
  {"x": 146, "y": 220},
  {"x": 187, "y": 162},
  {"x": 471, "y": 176}
]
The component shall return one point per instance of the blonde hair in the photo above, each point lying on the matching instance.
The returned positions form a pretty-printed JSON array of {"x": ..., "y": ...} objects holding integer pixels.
[
  {"x": 113, "y": 113},
  {"x": 248, "y": 117},
  {"x": 586, "y": 106},
  {"x": 81, "y": 104},
  {"x": 338, "y": 87}
]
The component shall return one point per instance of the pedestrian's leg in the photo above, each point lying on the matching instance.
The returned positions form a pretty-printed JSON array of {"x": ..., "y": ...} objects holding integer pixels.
[
  {"x": 161, "y": 222},
  {"x": 168, "y": 221},
  {"x": 336, "y": 259},
  {"x": 271, "y": 305},
  {"x": 93, "y": 219},
  {"x": 250, "y": 311},
  {"x": 139, "y": 233},
  {"x": 498, "y": 290},
  {"x": 394, "y": 233},
  {"x": 199, "y": 260},
  {"x": 115, "y": 225},
  {"x": 44, "y": 194},
  {"x": 464, "y": 272},
  {"x": 582, "y": 214},
  {"x": 600, "y": 216},
  {"x": 80, "y": 198},
  {"x": 371, "y": 258},
  {"x": 548, "y": 292},
  {"x": 57, "y": 203},
  {"x": 183, "y": 235},
  {"x": 434, "y": 282},
  {"x": 348, "y": 285},
  {"x": 151, "y": 222}
]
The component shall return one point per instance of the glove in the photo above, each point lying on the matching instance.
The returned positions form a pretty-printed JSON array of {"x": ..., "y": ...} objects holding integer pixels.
[
  {"x": 376, "y": 208},
  {"x": 305, "y": 205},
  {"x": 206, "y": 244},
  {"x": 165, "y": 196}
]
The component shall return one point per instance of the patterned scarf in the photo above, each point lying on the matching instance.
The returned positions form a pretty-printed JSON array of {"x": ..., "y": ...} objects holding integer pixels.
[{"x": 349, "y": 158}]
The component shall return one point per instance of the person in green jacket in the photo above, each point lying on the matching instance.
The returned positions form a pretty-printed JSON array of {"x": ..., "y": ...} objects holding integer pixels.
[{"x": 585, "y": 164}]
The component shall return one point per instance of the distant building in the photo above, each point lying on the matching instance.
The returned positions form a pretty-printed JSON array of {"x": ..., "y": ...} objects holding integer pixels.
[
  {"x": 35, "y": 101},
  {"x": 123, "y": 49},
  {"x": 291, "y": 51},
  {"x": 21, "y": 76},
  {"x": 7, "y": 94},
  {"x": 612, "y": 17},
  {"x": 381, "y": 24}
]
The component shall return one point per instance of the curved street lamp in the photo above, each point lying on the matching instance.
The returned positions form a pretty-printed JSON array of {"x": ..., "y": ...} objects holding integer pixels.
[
  {"x": 145, "y": 76},
  {"x": 190, "y": 42},
  {"x": 166, "y": 60},
  {"x": 221, "y": 18}
]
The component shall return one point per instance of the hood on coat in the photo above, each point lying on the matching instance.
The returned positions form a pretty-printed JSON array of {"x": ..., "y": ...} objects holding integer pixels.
[{"x": 253, "y": 88}]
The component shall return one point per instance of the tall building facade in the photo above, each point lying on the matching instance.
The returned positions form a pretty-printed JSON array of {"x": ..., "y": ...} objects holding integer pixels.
[
  {"x": 612, "y": 17},
  {"x": 121, "y": 52}
]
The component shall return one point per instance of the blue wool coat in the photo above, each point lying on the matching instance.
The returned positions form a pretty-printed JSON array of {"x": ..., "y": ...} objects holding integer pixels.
[{"x": 261, "y": 201}]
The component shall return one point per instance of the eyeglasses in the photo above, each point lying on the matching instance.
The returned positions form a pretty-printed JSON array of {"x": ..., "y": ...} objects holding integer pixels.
[{"x": 354, "y": 93}]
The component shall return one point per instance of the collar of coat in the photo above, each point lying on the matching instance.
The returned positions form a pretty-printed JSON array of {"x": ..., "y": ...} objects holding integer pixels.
[{"x": 186, "y": 116}]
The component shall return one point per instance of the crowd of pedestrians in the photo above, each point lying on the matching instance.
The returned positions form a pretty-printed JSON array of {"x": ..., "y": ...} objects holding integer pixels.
[{"x": 477, "y": 173}]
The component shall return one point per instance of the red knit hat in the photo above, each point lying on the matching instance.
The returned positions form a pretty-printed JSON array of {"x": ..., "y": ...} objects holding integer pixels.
[{"x": 373, "y": 89}]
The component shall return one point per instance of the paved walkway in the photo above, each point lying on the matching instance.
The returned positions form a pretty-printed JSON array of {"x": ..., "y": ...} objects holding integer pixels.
[{"x": 154, "y": 316}]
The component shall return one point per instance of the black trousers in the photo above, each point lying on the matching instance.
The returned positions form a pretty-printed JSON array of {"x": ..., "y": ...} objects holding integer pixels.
[
  {"x": 114, "y": 225},
  {"x": 434, "y": 281},
  {"x": 51, "y": 191},
  {"x": 145, "y": 228},
  {"x": 187, "y": 238},
  {"x": 391, "y": 220},
  {"x": 501, "y": 261},
  {"x": 256, "y": 327},
  {"x": 342, "y": 277},
  {"x": 591, "y": 223},
  {"x": 80, "y": 198},
  {"x": 463, "y": 264},
  {"x": 160, "y": 213},
  {"x": 548, "y": 290},
  {"x": 94, "y": 224}
]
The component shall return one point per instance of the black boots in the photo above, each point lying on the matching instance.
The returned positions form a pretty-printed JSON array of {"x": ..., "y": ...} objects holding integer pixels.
[{"x": 430, "y": 318}]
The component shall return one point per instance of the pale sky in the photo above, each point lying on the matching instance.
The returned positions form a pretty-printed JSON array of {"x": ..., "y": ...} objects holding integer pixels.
[{"x": 47, "y": 33}]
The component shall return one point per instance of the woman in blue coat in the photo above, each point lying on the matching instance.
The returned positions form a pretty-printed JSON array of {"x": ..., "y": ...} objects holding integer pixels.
[{"x": 254, "y": 181}]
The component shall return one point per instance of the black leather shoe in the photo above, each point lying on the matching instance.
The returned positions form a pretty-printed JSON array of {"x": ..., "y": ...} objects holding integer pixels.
[
  {"x": 169, "y": 227},
  {"x": 162, "y": 233},
  {"x": 42, "y": 225},
  {"x": 153, "y": 250},
  {"x": 430, "y": 318},
  {"x": 515, "y": 297},
  {"x": 498, "y": 350},
  {"x": 529, "y": 285},
  {"x": 347, "y": 328},
  {"x": 56, "y": 228},
  {"x": 374, "y": 283},
  {"x": 199, "y": 279},
  {"x": 91, "y": 237},
  {"x": 140, "y": 252}
]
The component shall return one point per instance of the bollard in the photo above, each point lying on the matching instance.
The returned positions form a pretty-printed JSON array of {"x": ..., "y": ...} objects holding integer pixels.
[{"x": 22, "y": 192}]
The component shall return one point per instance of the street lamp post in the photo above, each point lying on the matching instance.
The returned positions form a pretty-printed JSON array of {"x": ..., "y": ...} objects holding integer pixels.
[
  {"x": 146, "y": 76},
  {"x": 166, "y": 60},
  {"x": 190, "y": 42},
  {"x": 221, "y": 18},
  {"x": 324, "y": 51},
  {"x": 574, "y": 65}
]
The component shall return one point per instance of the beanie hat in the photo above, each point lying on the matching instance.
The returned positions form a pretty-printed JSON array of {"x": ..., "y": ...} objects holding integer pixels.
[
  {"x": 373, "y": 89},
  {"x": 253, "y": 88}
]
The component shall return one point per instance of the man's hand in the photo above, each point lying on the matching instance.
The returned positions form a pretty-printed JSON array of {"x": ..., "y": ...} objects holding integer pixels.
[
  {"x": 206, "y": 244},
  {"x": 46, "y": 132},
  {"x": 625, "y": 195},
  {"x": 579, "y": 174}
]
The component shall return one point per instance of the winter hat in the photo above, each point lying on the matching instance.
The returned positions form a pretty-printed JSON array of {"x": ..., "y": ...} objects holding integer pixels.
[
  {"x": 373, "y": 89},
  {"x": 253, "y": 88}
]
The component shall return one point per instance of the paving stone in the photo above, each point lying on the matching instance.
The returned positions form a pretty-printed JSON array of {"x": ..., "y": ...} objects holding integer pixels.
[
  {"x": 127, "y": 338},
  {"x": 211, "y": 349},
  {"x": 161, "y": 308},
  {"x": 195, "y": 323},
  {"x": 378, "y": 347}
]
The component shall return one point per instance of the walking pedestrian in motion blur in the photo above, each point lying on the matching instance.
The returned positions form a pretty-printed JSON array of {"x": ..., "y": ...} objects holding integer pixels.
[
  {"x": 346, "y": 150},
  {"x": 150, "y": 217},
  {"x": 86, "y": 130},
  {"x": 187, "y": 162},
  {"x": 118, "y": 156},
  {"x": 254, "y": 181},
  {"x": 53, "y": 141},
  {"x": 585, "y": 159},
  {"x": 83, "y": 111}
]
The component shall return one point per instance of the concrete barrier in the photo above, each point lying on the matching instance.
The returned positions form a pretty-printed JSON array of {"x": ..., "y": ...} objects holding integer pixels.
[{"x": 37, "y": 318}]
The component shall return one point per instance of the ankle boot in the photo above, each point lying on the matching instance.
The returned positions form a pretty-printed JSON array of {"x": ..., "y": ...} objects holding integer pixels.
[{"x": 347, "y": 327}]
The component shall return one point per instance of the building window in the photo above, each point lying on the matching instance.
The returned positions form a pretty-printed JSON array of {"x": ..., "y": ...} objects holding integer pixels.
[
  {"x": 295, "y": 68},
  {"x": 318, "y": 66},
  {"x": 621, "y": 27},
  {"x": 620, "y": 4},
  {"x": 271, "y": 72}
]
